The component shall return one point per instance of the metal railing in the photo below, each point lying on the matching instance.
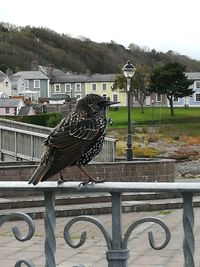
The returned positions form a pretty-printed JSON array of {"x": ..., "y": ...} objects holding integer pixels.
[
  {"x": 20, "y": 143},
  {"x": 117, "y": 253}
]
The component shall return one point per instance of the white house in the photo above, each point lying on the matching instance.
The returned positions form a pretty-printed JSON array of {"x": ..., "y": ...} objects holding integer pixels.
[
  {"x": 194, "y": 100},
  {"x": 17, "y": 83},
  {"x": 5, "y": 84}
]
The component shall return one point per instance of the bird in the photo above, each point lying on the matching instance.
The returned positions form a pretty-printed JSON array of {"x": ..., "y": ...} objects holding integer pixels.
[{"x": 75, "y": 141}]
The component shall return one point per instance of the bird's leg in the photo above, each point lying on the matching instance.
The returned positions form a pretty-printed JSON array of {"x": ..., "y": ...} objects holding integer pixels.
[
  {"x": 62, "y": 179},
  {"x": 90, "y": 178}
]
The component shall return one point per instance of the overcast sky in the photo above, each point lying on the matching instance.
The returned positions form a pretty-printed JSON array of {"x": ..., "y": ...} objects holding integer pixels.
[{"x": 160, "y": 24}]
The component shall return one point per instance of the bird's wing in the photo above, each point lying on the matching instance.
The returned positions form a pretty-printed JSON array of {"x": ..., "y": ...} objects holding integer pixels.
[
  {"x": 64, "y": 146},
  {"x": 84, "y": 130},
  {"x": 69, "y": 144}
]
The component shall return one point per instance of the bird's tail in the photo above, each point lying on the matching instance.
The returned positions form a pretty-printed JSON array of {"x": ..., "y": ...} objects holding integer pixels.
[{"x": 39, "y": 174}]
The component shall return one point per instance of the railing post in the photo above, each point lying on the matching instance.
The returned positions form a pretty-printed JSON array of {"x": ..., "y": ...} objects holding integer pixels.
[
  {"x": 32, "y": 148},
  {"x": 0, "y": 144},
  {"x": 15, "y": 145},
  {"x": 50, "y": 221},
  {"x": 117, "y": 257},
  {"x": 188, "y": 224}
]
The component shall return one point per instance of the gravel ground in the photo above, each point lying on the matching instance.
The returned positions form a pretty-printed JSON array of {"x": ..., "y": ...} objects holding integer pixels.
[{"x": 188, "y": 169}]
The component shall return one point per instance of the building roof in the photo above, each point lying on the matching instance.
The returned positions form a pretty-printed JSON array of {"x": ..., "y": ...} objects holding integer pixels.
[
  {"x": 2, "y": 76},
  {"x": 55, "y": 72},
  {"x": 24, "y": 111},
  {"x": 69, "y": 78},
  {"x": 82, "y": 78},
  {"x": 9, "y": 102},
  {"x": 32, "y": 75},
  {"x": 101, "y": 77},
  {"x": 193, "y": 75},
  {"x": 15, "y": 78}
]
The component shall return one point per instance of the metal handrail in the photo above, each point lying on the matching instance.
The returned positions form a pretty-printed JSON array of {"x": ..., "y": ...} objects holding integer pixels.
[
  {"x": 117, "y": 245},
  {"x": 107, "y": 187}
]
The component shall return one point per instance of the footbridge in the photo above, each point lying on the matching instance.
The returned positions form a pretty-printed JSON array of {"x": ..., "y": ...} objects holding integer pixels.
[{"x": 21, "y": 141}]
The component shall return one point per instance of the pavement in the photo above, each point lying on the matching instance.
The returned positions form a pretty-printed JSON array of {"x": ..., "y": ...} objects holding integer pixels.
[{"x": 93, "y": 251}]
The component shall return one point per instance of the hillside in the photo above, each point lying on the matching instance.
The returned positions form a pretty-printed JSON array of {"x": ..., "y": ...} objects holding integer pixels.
[{"x": 19, "y": 46}]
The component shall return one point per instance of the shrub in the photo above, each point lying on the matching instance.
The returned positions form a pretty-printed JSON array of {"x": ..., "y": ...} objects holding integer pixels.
[
  {"x": 44, "y": 119},
  {"x": 121, "y": 148},
  {"x": 153, "y": 137},
  {"x": 185, "y": 154},
  {"x": 190, "y": 140},
  {"x": 145, "y": 152},
  {"x": 53, "y": 120},
  {"x": 138, "y": 151}
]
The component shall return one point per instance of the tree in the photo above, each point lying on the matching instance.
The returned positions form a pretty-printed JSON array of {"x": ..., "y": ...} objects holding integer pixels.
[
  {"x": 170, "y": 80},
  {"x": 139, "y": 84}
]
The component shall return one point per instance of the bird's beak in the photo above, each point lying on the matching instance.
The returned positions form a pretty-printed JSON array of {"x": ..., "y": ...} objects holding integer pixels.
[{"x": 109, "y": 103}]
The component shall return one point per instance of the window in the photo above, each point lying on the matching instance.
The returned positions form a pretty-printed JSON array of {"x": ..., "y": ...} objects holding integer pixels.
[
  {"x": 115, "y": 98},
  {"x": 6, "y": 110},
  {"x": 68, "y": 87},
  {"x": 77, "y": 96},
  {"x": 176, "y": 98},
  {"x": 197, "y": 84},
  {"x": 57, "y": 88},
  {"x": 36, "y": 83},
  {"x": 6, "y": 83},
  {"x": 197, "y": 97},
  {"x": 94, "y": 86},
  {"x": 136, "y": 97},
  {"x": 103, "y": 86},
  {"x": 26, "y": 83},
  {"x": 158, "y": 98},
  {"x": 77, "y": 87}
]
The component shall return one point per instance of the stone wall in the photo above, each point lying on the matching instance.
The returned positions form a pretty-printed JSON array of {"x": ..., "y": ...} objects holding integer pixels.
[{"x": 140, "y": 170}]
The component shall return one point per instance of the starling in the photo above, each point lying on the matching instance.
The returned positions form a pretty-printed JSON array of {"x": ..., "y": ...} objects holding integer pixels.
[{"x": 75, "y": 141}]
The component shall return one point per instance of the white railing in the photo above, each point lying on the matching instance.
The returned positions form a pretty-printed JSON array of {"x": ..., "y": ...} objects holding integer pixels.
[{"x": 25, "y": 142}]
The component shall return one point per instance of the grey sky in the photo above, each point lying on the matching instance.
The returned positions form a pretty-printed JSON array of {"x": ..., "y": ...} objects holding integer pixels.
[{"x": 160, "y": 24}]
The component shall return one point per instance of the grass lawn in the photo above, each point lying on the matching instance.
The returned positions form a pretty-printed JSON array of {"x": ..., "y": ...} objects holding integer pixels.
[
  {"x": 152, "y": 116},
  {"x": 156, "y": 125}
]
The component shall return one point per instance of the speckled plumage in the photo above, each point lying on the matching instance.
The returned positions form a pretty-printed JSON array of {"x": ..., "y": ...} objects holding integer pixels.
[{"x": 76, "y": 140}]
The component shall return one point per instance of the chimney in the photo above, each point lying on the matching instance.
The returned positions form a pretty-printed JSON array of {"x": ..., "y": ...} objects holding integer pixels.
[
  {"x": 34, "y": 65},
  {"x": 50, "y": 71},
  {"x": 9, "y": 72}
]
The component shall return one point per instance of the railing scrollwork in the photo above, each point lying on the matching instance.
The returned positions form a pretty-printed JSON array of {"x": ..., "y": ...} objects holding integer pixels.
[
  {"x": 83, "y": 237},
  {"x": 150, "y": 234},
  {"x": 117, "y": 253},
  {"x": 28, "y": 263},
  {"x": 17, "y": 233}
]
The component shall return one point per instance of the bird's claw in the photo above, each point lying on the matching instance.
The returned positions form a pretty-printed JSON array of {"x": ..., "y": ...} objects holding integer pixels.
[
  {"x": 92, "y": 181},
  {"x": 62, "y": 181}
]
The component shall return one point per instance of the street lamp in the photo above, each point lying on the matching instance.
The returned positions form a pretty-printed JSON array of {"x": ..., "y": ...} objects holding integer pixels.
[
  {"x": 152, "y": 102},
  {"x": 129, "y": 71}
]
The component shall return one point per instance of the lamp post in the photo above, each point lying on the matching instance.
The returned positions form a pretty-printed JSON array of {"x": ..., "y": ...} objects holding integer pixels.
[
  {"x": 152, "y": 102},
  {"x": 129, "y": 71}
]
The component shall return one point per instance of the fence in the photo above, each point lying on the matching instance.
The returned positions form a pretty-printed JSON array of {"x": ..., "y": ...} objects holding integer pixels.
[
  {"x": 24, "y": 142},
  {"x": 117, "y": 253}
]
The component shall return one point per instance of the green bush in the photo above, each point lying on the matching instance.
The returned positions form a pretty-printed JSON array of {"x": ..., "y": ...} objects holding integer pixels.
[
  {"x": 53, "y": 120},
  {"x": 44, "y": 119}
]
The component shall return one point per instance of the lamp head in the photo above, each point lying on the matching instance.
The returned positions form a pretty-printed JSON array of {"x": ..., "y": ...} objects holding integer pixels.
[{"x": 128, "y": 70}]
